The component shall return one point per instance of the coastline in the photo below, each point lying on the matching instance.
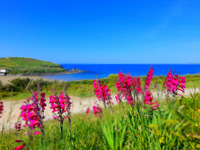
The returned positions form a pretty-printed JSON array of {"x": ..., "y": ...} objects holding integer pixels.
[
  {"x": 6, "y": 79},
  {"x": 46, "y": 74},
  {"x": 35, "y": 76}
]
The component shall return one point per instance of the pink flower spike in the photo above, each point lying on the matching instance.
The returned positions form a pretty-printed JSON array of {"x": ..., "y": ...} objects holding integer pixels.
[
  {"x": 61, "y": 92},
  {"x": 26, "y": 133},
  {"x": 149, "y": 78},
  {"x": 55, "y": 117},
  {"x": 36, "y": 133},
  {"x": 102, "y": 92},
  {"x": 52, "y": 91}
]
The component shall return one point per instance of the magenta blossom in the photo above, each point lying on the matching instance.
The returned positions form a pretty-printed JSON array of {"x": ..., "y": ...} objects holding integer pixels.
[
  {"x": 1, "y": 107},
  {"x": 149, "y": 78},
  {"x": 60, "y": 105},
  {"x": 154, "y": 105},
  {"x": 117, "y": 97},
  {"x": 148, "y": 99},
  {"x": 174, "y": 83},
  {"x": 88, "y": 111},
  {"x": 36, "y": 133},
  {"x": 125, "y": 84},
  {"x": 17, "y": 126},
  {"x": 32, "y": 112},
  {"x": 20, "y": 147},
  {"x": 97, "y": 111},
  {"x": 102, "y": 92},
  {"x": 138, "y": 85}
]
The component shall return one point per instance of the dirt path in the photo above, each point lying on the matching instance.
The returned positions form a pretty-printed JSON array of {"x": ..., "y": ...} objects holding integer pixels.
[{"x": 12, "y": 108}]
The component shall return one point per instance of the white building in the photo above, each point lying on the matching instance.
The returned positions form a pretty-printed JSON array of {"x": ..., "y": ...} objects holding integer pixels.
[{"x": 3, "y": 72}]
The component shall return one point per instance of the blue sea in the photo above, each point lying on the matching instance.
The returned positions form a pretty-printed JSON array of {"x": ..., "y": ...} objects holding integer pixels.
[{"x": 103, "y": 70}]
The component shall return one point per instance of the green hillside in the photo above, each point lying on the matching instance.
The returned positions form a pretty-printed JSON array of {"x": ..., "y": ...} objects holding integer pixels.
[{"x": 21, "y": 65}]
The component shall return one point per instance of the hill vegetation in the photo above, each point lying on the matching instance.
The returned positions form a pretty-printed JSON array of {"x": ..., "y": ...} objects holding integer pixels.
[{"x": 21, "y": 65}]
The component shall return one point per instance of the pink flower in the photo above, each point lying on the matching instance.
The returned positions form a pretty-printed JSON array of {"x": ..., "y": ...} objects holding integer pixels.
[
  {"x": 97, "y": 111},
  {"x": 55, "y": 117},
  {"x": 102, "y": 92},
  {"x": 129, "y": 99},
  {"x": 34, "y": 123},
  {"x": 36, "y": 133},
  {"x": 17, "y": 126},
  {"x": 88, "y": 110},
  {"x": 117, "y": 97},
  {"x": 148, "y": 79},
  {"x": 148, "y": 98},
  {"x": 174, "y": 83},
  {"x": 18, "y": 141},
  {"x": 20, "y": 147},
  {"x": 138, "y": 85},
  {"x": 125, "y": 84},
  {"x": 30, "y": 107},
  {"x": 31, "y": 116},
  {"x": 60, "y": 104},
  {"x": 32, "y": 112},
  {"x": 1, "y": 107},
  {"x": 154, "y": 105}
]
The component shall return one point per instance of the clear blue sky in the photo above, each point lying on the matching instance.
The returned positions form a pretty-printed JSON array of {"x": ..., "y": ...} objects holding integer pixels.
[{"x": 101, "y": 31}]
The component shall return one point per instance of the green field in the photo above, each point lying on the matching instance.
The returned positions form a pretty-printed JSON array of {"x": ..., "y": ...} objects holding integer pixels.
[{"x": 21, "y": 65}]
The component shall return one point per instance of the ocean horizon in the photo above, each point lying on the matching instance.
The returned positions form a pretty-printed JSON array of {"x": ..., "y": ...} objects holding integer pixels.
[{"x": 104, "y": 70}]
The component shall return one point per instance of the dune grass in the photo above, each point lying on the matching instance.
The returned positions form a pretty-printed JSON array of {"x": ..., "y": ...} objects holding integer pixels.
[{"x": 21, "y": 87}]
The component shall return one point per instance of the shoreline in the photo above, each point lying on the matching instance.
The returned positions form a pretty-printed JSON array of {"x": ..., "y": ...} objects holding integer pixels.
[
  {"x": 46, "y": 74},
  {"x": 5, "y": 79}
]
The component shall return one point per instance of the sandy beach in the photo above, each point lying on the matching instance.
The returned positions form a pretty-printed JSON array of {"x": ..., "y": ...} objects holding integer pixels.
[{"x": 6, "y": 79}]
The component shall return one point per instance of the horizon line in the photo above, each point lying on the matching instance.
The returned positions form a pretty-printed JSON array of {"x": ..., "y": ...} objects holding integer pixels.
[{"x": 131, "y": 63}]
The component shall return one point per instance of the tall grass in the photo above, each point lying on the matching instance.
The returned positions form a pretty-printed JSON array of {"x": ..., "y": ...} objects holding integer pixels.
[{"x": 126, "y": 128}]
